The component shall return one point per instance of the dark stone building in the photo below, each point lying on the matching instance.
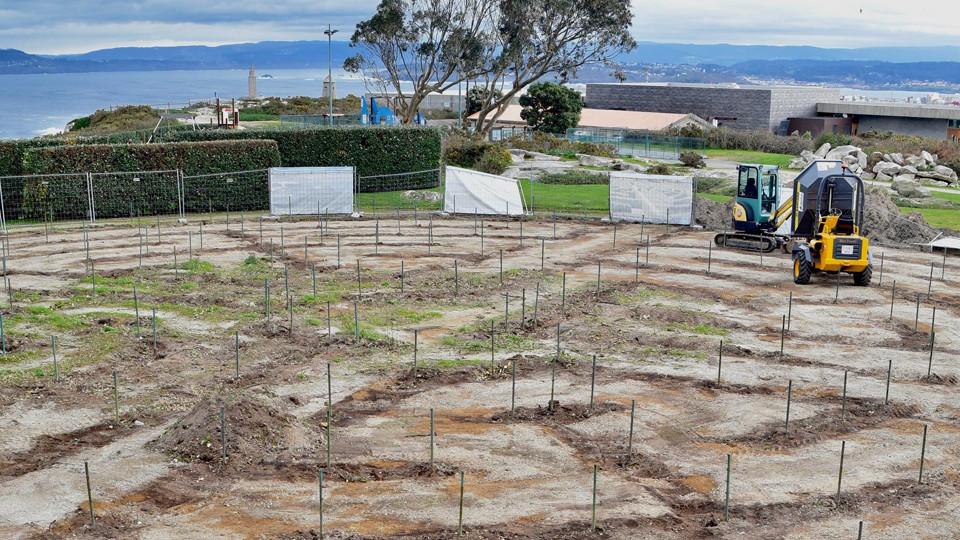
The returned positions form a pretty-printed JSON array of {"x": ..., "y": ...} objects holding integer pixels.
[{"x": 733, "y": 106}]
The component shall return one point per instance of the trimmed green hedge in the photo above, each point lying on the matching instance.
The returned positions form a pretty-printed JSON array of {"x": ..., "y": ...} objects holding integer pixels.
[
  {"x": 372, "y": 150},
  {"x": 120, "y": 195}
]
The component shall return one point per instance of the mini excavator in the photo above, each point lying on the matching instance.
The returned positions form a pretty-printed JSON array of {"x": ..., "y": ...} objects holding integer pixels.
[{"x": 759, "y": 216}]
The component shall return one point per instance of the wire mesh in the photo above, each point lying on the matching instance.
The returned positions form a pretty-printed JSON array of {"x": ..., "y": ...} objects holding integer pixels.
[
  {"x": 311, "y": 190},
  {"x": 39, "y": 198},
  {"x": 639, "y": 143},
  {"x": 237, "y": 191},
  {"x": 135, "y": 194},
  {"x": 652, "y": 198},
  {"x": 413, "y": 190}
]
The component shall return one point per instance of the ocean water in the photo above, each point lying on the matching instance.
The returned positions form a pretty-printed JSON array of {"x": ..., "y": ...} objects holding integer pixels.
[{"x": 32, "y": 105}]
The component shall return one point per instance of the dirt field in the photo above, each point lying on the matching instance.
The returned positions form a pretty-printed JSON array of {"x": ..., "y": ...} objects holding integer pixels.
[{"x": 655, "y": 329}]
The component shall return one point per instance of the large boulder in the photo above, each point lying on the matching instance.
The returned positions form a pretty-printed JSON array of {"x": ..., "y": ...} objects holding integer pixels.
[
  {"x": 850, "y": 160},
  {"x": 798, "y": 163},
  {"x": 429, "y": 196},
  {"x": 897, "y": 158},
  {"x": 884, "y": 177},
  {"x": 909, "y": 189},
  {"x": 887, "y": 168},
  {"x": 913, "y": 161},
  {"x": 861, "y": 159},
  {"x": 841, "y": 151},
  {"x": 822, "y": 151},
  {"x": 940, "y": 174},
  {"x": 867, "y": 175},
  {"x": 946, "y": 172},
  {"x": 595, "y": 161},
  {"x": 927, "y": 157}
]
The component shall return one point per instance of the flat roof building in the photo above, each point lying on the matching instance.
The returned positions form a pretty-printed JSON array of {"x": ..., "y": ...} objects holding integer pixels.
[
  {"x": 934, "y": 121},
  {"x": 602, "y": 118},
  {"x": 734, "y": 106}
]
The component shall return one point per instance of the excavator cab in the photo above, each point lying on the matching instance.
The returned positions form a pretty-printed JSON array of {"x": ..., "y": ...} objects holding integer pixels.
[
  {"x": 828, "y": 209},
  {"x": 758, "y": 192},
  {"x": 758, "y": 212}
]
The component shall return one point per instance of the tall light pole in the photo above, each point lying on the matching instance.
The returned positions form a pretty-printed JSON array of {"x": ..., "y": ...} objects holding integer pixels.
[{"x": 330, "y": 32}]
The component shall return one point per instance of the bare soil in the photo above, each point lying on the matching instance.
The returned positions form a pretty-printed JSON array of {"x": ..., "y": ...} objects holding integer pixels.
[{"x": 643, "y": 337}]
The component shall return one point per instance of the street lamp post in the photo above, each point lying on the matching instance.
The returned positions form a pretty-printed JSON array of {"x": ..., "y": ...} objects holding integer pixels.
[{"x": 330, "y": 32}]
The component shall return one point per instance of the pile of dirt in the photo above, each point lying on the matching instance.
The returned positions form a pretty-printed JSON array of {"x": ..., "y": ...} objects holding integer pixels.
[
  {"x": 256, "y": 432},
  {"x": 883, "y": 222},
  {"x": 714, "y": 215}
]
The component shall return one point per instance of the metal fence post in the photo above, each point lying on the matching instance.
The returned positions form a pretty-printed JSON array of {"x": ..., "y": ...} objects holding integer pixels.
[{"x": 91, "y": 208}]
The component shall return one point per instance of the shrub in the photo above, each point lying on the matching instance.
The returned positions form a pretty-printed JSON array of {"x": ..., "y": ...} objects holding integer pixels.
[
  {"x": 659, "y": 168},
  {"x": 575, "y": 178},
  {"x": 692, "y": 160},
  {"x": 759, "y": 140},
  {"x": 834, "y": 140},
  {"x": 474, "y": 153},
  {"x": 495, "y": 159},
  {"x": 118, "y": 196},
  {"x": 707, "y": 184},
  {"x": 372, "y": 150},
  {"x": 546, "y": 143}
]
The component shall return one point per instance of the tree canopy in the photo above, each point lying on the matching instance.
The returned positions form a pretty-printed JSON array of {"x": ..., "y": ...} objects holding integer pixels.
[
  {"x": 551, "y": 107},
  {"x": 499, "y": 45}
]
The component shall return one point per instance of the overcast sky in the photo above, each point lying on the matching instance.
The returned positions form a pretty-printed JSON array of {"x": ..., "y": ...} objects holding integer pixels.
[{"x": 59, "y": 26}]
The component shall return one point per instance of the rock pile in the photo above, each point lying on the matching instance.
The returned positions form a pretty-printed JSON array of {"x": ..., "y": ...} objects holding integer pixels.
[{"x": 887, "y": 167}]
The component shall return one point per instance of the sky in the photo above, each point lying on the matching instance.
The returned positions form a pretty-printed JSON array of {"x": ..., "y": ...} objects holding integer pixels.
[{"x": 77, "y": 26}]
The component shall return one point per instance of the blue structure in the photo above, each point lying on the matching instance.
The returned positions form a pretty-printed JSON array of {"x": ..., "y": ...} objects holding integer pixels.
[{"x": 377, "y": 115}]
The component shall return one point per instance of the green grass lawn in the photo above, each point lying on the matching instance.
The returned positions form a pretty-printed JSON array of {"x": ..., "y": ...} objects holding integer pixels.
[
  {"x": 952, "y": 197},
  {"x": 715, "y": 197},
  {"x": 594, "y": 198},
  {"x": 749, "y": 156},
  {"x": 938, "y": 217},
  {"x": 386, "y": 200}
]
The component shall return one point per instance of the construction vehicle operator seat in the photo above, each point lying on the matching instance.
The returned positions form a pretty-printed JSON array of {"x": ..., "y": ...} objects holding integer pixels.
[{"x": 844, "y": 224}]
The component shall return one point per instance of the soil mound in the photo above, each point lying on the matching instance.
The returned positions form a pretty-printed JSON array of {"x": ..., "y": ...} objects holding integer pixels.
[
  {"x": 883, "y": 222},
  {"x": 256, "y": 432},
  {"x": 714, "y": 215}
]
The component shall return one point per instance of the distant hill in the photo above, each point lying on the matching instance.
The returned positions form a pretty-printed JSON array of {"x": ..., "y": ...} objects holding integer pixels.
[
  {"x": 901, "y": 67},
  {"x": 725, "y": 55}
]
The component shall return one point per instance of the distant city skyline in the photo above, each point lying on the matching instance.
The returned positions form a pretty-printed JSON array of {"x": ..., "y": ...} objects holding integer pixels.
[{"x": 47, "y": 27}]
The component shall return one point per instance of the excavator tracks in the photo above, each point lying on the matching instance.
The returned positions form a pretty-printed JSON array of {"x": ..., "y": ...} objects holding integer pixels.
[{"x": 748, "y": 242}]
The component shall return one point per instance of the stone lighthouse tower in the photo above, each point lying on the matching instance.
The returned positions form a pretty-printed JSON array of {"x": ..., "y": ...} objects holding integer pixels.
[{"x": 252, "y": 83}]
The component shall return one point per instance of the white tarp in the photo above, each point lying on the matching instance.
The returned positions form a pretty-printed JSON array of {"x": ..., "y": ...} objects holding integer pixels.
[
  {"x": 302, "y": 190},
  {"x": 469, "y": 192},
  {"x": 651, "y": 198}
]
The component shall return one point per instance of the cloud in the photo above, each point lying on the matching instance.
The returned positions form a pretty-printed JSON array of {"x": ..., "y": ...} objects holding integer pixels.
[
  {"x": 46, "y": 27},
  {"x": 819, "y": 23}
]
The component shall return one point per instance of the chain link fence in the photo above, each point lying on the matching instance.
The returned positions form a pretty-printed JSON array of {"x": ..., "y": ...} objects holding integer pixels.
[
  {"x": 226, "y": 192},
  {"x": 419, "y": 190},
  {"x": 639, "y": 143}
]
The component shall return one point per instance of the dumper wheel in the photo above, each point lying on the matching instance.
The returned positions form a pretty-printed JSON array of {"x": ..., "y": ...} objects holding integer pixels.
[
  {"x": 801, "y": 269},
  {"x": 862, "y": 279}
]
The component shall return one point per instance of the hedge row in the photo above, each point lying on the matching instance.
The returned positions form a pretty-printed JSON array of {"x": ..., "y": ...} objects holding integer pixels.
[
  {"x": 120, "y": 195},
  {"x": 371, "y": 150}
]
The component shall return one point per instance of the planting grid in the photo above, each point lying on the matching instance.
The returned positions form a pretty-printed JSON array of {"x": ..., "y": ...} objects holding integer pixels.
[{"x": 655, "y": 331}]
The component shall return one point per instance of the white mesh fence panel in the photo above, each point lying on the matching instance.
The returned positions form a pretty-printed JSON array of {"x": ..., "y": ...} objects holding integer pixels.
[
  {"x": 469, "y": 192},
  {"x": 651, "y": 198},
  {"x": 302, "y": 190}
]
